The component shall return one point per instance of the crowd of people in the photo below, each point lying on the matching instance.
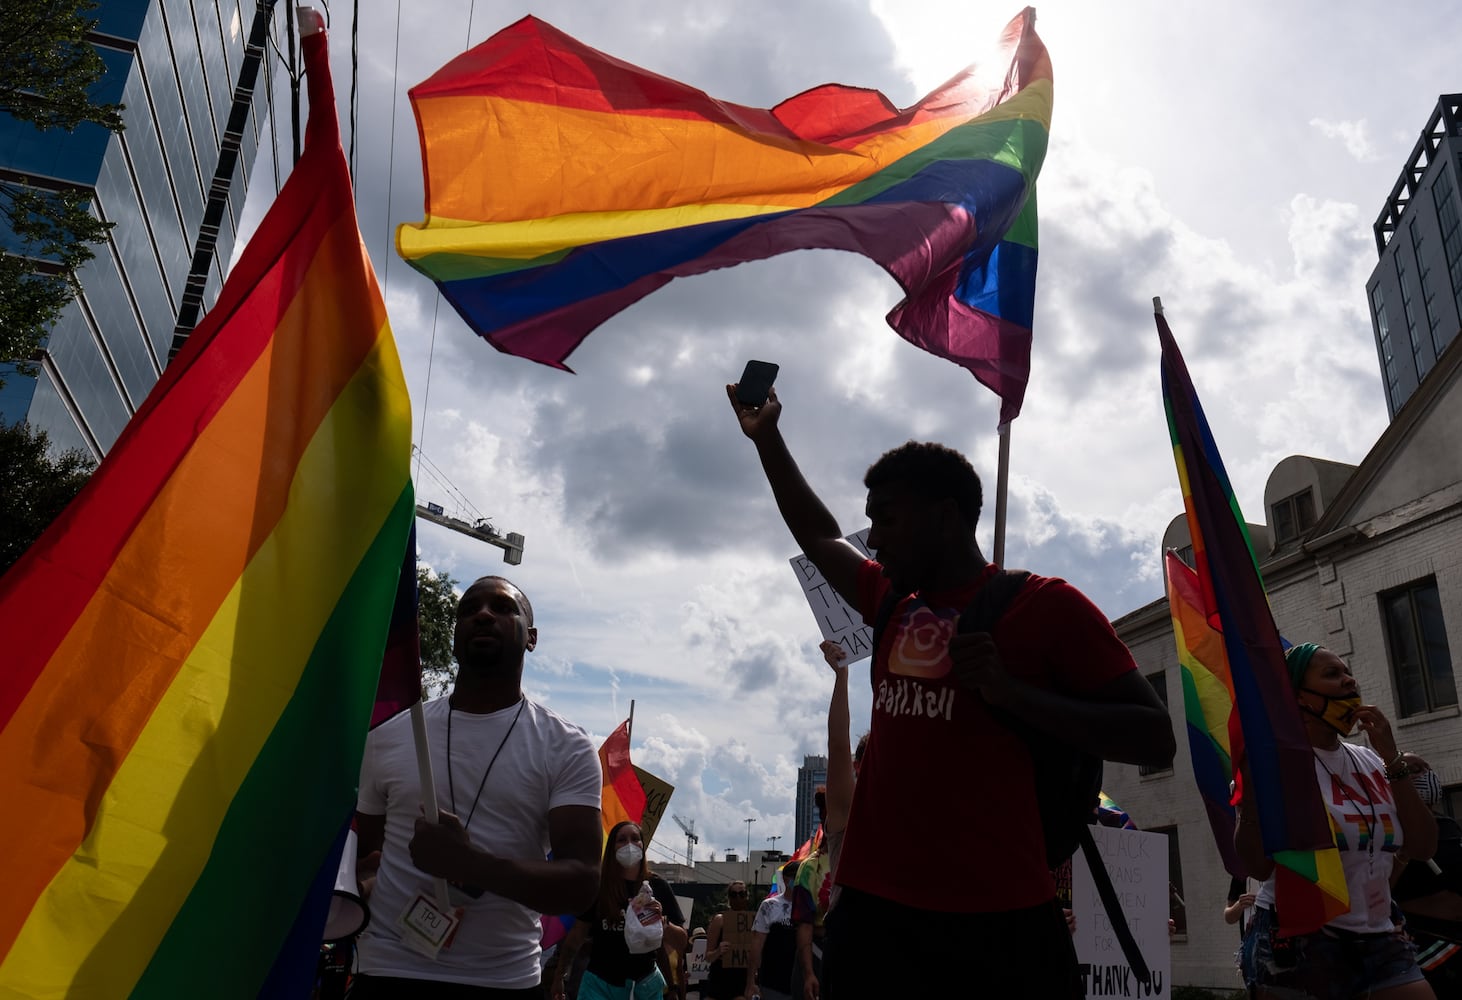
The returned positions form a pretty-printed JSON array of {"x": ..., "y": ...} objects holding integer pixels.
[{"x": 957, "y": 718}]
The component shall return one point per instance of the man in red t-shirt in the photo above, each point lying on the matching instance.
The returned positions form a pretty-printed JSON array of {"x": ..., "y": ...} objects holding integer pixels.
[{"x": 943, "y": 778}]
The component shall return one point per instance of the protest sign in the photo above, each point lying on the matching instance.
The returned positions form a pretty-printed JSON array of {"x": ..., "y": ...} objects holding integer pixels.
[
  {"x": 700, "y": 965},
  {"x": 1137, "y": 862},
  {"x": 657, "y": 797},
  {"x": 736, "y": 931},
  {"x": 837, "y": 620}
]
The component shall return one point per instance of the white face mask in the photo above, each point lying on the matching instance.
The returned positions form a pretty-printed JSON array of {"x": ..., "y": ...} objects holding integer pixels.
[{"x": 628, "y": 855}]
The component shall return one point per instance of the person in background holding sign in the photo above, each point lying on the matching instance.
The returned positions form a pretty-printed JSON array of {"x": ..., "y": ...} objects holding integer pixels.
[
  {"x": 728, "y": 952},
  {"x": 941, "y": 753},
  {"x": 614, "y": 973},
  {"x": 1374, "y": 811},
  {"x": 517, "y": 781}
]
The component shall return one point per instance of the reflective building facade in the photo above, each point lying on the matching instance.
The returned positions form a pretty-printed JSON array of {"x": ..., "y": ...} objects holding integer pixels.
[
  {"x": 812, "y": 773},
  {"x": 174, "y": 64},
  {"x": 1415, "y": 292}
]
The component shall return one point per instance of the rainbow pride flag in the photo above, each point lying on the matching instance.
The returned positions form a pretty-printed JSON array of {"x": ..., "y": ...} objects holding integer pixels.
[
  {"x": 624, "y": 797},
  {"x": 181, "y": 727},
  {"x": 1309, "y": 882},
  {"x": 563, "y": 185},
  {"x": 1214, "y": 736},
  {"x": 1111, "y": 814}
]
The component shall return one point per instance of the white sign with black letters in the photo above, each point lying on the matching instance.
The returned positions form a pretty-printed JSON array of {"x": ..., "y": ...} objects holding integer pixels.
[
  {"x": 1137, "y": 862},
  {"x": 837, "y": 620}
]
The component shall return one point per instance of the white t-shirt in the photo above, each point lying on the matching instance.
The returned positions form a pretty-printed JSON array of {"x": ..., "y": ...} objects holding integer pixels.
[
  {"x": 776, "y": 910},
  {"x": 1362, "y": 805},
  {"x": 546, "y": 762}
]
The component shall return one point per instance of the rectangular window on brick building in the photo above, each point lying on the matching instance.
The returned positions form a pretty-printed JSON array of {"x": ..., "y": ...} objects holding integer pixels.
[
  {"x": 1293, "y": 516},
  {"x": 1416, "y": 640},
  {"x": 1177, "y": 909},
  {"x": 1159, "y": 682}
]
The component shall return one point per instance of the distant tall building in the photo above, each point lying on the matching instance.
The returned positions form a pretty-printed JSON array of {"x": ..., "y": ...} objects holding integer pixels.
[
  {"x": 1415, "y": 292},
  {"x": 812, "y": 773},
  {"x": 174, "y": 64}
]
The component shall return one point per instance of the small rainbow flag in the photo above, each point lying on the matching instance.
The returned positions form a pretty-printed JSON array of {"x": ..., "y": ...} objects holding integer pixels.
[
  {"x": 1111, "y": 814},
  {"x": 563, "y": 185},
  {"x": 1214, "y": 736},
  {"x": 1309, "y": 881},
  {"x": 182, "y": 724},
  {"x": 624, "y": 797}
]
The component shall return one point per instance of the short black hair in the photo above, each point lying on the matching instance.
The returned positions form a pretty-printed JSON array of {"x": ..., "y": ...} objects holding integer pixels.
[
  {"x": 932, "y": 472},
  {"x": 523, "y": 598}
]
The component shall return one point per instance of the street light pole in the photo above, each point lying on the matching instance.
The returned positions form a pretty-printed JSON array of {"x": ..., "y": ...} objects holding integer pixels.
[
  {"x": 773, "y": 841},
  {"x": 749, "y": 820}
]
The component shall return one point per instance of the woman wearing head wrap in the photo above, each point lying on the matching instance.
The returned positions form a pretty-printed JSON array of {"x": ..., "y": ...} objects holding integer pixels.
[{"x": 1374, "y": 810}]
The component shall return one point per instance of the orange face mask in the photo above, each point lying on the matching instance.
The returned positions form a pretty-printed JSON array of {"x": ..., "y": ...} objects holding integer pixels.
[{"x": 1338, "y": 713}]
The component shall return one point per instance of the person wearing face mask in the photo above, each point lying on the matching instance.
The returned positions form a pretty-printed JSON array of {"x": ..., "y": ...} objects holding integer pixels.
[
  {"x": 613, "y": 972},
  {"x": 1374, "y": 811}
]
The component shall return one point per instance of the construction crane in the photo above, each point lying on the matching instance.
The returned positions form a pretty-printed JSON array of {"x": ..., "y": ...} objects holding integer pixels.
[
  {"x": 473, "y": 524},
  {"x": 690, "y": 838}
]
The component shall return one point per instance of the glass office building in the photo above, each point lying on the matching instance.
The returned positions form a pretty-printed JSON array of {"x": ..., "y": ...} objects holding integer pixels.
[
  {"x": 174, "y": 64},
  {"x": 810, "y": 775},
  {"x": 1415, "y": 292}
]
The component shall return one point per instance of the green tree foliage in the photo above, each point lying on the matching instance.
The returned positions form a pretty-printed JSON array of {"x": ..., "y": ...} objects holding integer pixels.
[
  {"x": 34, "y": 486},
  {"x": 436, "y": 616},
  {"x": 46, "y": 69}
]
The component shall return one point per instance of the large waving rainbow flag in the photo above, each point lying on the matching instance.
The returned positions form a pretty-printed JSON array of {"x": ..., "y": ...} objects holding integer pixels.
[
  {"x": 562, "y": 185},
  {"x": 182, "y": 725},
  {"x": 1309, "y": 881},
  {"x": 1214, "y": 736}
]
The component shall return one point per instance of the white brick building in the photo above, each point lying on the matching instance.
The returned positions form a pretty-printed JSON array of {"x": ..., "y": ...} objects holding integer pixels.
[{"x": 1366, "y": 560}]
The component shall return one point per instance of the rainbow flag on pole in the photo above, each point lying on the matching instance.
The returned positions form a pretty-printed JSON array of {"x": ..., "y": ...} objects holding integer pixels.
[
  {"x": 624, "y": 797},
  {"x": 1214, "y": 736},
  {"x": 195, "y": 643},
  {"x": 563, "y": 185},
  {"x": 1309, "y": 881}
]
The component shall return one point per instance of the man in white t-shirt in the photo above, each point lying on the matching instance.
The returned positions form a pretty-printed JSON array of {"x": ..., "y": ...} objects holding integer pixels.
[{"x": 513, "y": 781}]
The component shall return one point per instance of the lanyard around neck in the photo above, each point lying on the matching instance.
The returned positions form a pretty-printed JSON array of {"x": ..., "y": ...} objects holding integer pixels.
[{"x": 451, "y": 785}]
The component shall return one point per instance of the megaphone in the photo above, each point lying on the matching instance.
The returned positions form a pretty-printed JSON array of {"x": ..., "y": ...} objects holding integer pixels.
[{"x": 348, "y": 912}]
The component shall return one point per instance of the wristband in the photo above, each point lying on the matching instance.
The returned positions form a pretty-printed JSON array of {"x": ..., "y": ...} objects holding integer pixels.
[{"x": 1398, "y": 768}]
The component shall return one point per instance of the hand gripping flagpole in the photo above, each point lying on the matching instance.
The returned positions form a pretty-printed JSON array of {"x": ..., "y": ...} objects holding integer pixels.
[{"x": 428, "y": 789}]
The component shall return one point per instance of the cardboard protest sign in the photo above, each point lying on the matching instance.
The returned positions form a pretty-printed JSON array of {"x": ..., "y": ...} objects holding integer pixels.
[
  {"x": 837, "y": 620},
  {"x": 700, "y": 966},
  {"x": 736, "y": 931},
  {"x": 1137, "y": 862},
  {"x": 657, "y": 797}
]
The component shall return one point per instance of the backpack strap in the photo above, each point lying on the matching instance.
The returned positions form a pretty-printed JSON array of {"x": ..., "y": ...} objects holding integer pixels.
[
  {"x": 982, "y": 614},
  {"x": 1113, "y": 906},
  {"x": 992, "y": 600}
]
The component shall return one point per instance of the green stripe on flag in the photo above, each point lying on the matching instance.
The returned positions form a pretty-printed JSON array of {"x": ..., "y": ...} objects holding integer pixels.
[{"x": 283, "y": 822}]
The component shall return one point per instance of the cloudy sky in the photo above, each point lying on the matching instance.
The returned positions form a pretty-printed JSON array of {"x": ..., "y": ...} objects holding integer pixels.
[{"x": 1228, "y": 157}]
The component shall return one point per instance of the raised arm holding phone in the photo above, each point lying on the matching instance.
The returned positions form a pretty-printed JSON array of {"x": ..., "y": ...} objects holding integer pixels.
[{"x": 1052, "y": 659}]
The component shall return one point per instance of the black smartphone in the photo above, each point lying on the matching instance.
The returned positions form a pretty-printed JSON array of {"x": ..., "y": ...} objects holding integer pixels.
[{"x": 756, "y": 383}]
